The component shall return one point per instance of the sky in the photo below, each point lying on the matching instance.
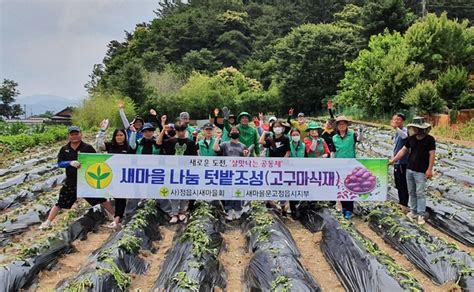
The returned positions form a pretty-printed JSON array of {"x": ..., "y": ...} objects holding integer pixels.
[{"x": 50, "y": 46}]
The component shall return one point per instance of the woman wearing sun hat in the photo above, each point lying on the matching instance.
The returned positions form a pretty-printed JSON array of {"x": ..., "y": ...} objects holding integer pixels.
[
  {"x": 315, "y": 145},
  {"x": 420, "y": 165},
  {"x": 345, "y": 147}
]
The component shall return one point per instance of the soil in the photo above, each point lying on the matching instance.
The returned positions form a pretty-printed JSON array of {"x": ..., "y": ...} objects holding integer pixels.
[
  {"x": 70, "y": 264},
  {"x": 155, "y": 259},
  {"x": 234, "y": 257},
  {"x": 312, "y": 258}
]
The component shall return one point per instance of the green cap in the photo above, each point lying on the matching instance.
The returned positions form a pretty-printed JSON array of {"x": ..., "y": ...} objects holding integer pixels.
[
  {"x": 313, "y": 126},
  {"x": 243, "y": 114}
]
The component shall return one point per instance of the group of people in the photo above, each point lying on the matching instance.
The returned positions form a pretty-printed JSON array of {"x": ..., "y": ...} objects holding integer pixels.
[{"x": 237, "y": 135}]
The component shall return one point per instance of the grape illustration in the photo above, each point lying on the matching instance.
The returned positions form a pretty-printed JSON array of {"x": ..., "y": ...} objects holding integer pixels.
[{"x": 360, "y": 181}]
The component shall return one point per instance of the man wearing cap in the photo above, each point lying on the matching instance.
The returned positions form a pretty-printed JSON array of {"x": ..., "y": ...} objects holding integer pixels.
[
  {"x": 190, "y": 131},
  {"x": 345, "y": 147},
  {"x": 67, "y": 158},
  {"x": 421, "y": 160},
  {"x": 400, "y": 167},
  {"x": 206, "y": 145},
  {"x": 299, "y": 124}
]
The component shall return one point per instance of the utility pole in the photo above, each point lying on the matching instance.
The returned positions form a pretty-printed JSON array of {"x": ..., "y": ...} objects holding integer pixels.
[
  {"x": 24, "y": 110},
  {"x": 423, "y": 8}
]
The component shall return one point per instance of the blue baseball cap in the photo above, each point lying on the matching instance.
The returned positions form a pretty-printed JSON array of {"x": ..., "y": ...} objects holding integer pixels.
[{"x": 74, "y": 129}]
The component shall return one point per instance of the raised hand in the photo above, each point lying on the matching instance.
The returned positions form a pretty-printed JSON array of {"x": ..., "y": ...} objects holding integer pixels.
[
  {"x": 329, "y": 104},
  {"x": 260, "y": 116},
  {"x": 219, "y": 135},
  {"x": 104, "y": 124},
  {"x": 121, "y": 104},
  {"x": 226, "y": 112}
]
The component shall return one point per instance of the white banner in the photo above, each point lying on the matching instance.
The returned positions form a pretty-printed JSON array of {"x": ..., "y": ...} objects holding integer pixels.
[{"x": 231, "y": 178}]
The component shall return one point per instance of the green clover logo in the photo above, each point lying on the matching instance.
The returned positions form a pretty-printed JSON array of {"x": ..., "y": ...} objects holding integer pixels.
[
  {"x": 164, "y": 192},
  {"x": 99, "y": 175}
]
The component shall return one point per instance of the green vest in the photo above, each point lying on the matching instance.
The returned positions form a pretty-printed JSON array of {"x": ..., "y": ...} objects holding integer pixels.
[
  {"x": 345, "y": 147},
  {"x": 297, "y": 149},
  {"x": 155, "y": 151},
  {"x": 207, "y": 150},
  {"x": 319, "y": 149}
]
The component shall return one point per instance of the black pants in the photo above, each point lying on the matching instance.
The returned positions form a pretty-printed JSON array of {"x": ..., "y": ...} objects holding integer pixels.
[
  {"x": 120, "y": 207},
  {"x": 400, "y": 175},
  {"x": 348, "y": 205}
]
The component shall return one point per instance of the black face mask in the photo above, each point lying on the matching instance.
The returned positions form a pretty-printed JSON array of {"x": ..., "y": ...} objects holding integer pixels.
[
  {"x": 171, "y": 133},
  {"x": 234, "y": 135}
]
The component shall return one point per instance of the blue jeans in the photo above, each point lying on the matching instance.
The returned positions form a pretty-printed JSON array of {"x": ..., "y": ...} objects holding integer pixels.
[{"x": 416, "y": 182}]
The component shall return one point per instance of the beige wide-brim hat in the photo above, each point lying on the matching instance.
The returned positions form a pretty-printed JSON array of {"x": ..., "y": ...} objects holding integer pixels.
[
  {"x": 342, "y": 118},
  {"x": 419, "y": 122}
]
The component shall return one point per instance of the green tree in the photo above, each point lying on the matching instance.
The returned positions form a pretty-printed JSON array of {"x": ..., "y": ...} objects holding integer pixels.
[
  {"x": 424, "y": 97},
  {"x": 375, "y": 80},
  {"x": 131, "y": 81},
  {"x": 8, "y": 92},
  {"x": 203, "y": 61},
  {"x": 99, "y": 106},
  {"x": 379, "y": 15},
  {"x": 438, "y": 43},
  {"x": 451, "y": 85},
  {"x": 309, "y": 63}
]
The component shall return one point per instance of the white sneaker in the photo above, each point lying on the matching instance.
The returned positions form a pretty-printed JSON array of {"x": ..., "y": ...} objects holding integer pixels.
[
  {"x": 46, "y": 225},
  {"x": 115, "y": 225},
  {"x": 411, "y": 216},
  {"x": 421, "y": 220},
  {"x": 230, "y": 215},
  {"x": 238, "y": 214},
  {"x": 182, "y": 218},
  {"x": 174, "y": 219}
]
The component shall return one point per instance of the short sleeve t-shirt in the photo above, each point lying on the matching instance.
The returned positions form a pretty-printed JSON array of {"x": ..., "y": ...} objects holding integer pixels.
[
  {"x": 232, "y": 149},
  {"x": 67, "y": 153},
  {"x": 178, "y": 146},
  {"x": 278, "y": 147},
  {"x": 419, "y": 152}
]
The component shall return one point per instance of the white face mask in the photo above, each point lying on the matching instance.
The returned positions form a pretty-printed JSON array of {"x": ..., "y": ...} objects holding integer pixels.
[
  {"x": 295, "y": 139},
  {"x": 278, "y": 130}
]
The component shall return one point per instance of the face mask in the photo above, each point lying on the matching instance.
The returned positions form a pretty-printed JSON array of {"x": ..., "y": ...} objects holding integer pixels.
[
  {"x": 295, "y": 139},
  {"x": 234, "y": 135},
  {"x": 278, "y": 130},
  {"x": 171, "y": 133}
]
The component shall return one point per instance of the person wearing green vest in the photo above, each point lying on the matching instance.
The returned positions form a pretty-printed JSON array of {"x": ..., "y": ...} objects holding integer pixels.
[
  {"x": 297, "y": 150},
  {"x": 299, "y": 124},
  {"x": 316, "y": 147},
  {"x": 345, "y": 147},
  {"x": 297, "y": 147},
  {"x": 248, "y": 135},
  {"x": 146, "y": 144},
  {"x": 206, "y": 145}
]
